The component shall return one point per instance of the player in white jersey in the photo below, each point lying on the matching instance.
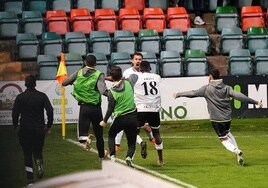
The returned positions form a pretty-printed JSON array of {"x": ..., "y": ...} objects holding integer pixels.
[
  {"x": 136, "y": 60},
  {"x": 148, "y": 103}
]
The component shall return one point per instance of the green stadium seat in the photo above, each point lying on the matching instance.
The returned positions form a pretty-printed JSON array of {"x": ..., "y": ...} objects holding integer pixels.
[
  {"x": 261, "y": 62},
  {"x": 101, "y": 42},
  {"x": 226, "y": 17},
  {"x": 113, "y": 4},
  {"x": 124, "y": 41},
  {"x": 76, "y": 42},
  {"x": 195, "y": 63},
  {"x": 257, "y": 38},
  {"x": 65, "y": 5},
  {"x": 149, "y": 41},
  {"x": 32, "y": 22},
  {"x": 152, "y": 59},
  {"x": 198, "y": 38},
  {"x": 16, "y": 6},
  {"x": 170, "y": 64},
  {"x": 37, "y": 5},
  {"x": 91, "y": 5},
  {"x": 121, "y": 59},
  {"x": 27, "y": 46},
  {"x": 73, "y": 61},
  {"x": 9, "y": 24},
  {"x": 163, "y": 4},
  {"x": 240, "y": 62},
  {"x": 173, "y": 40},
  {"x": 51, "y": 43},
  {"x": 47, "y": 67}
]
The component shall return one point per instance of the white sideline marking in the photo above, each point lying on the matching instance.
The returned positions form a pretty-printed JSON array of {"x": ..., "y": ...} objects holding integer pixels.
[{"x": 162, "y": 176}]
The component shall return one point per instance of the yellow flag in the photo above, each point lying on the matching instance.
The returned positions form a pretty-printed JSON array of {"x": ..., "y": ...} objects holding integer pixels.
[{"x": 62, "y": 71}]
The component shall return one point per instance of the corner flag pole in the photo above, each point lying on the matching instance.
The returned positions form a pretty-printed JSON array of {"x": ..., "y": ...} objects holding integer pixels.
[{"x": 61, "y": 75}]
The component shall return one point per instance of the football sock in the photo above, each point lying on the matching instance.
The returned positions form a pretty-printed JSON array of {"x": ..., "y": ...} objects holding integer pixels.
[
  {"x": 139, "y": 140},
  {"x": 118, "y": 137},
  {"x": 228, "y": 145},
  {"x": 231, "y": 137}
]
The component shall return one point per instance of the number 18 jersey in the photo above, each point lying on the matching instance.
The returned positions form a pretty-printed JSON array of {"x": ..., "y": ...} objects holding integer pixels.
[{"x": 147, "y": 92}]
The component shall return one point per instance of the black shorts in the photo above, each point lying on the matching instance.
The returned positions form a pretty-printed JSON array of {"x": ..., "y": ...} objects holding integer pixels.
[
  {"x": 152, "y": 118},
  {"x": 221, "y": 128}
]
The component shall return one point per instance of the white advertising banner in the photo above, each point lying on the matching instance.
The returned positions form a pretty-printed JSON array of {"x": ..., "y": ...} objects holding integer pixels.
[{"x": 182, "y": 108}]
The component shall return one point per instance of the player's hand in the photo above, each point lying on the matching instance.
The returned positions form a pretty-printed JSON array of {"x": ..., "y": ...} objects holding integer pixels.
[
  {"x": 102, "y": 123},
  {"x": 175, "y": 95},
  {"x": 259, "y": 105}
]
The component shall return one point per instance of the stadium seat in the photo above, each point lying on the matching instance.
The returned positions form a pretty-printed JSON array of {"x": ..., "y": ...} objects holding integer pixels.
[
  {"x": 9, "y": 24},
  {"x": 130, "y": 19},
  {"x": 47, "y": 67},
  {"x": 27, "y": 46},
  {"x": 124, "y": 41},
  {"x": 57, "y": 21},
  {"x": 81, "y": 21},
  {"x": 102, "y": 62},
  {"x": 198, "y": 38},
  {"x": 240, "y": 62},
  {"x": 163, "y": 4},
  {"x": 149, "y": 41},
  {"x": 113, "y": 4},
  {"x": 37, "y": 5},
  {"x": 91, "y": 5},
  {"x": 154, "y": 18},
  {"x": 65, "y": 5},
  {"x": 137, "y": 4},
  {"x": 152, "y": 59},
  {"x": 76, "y": 42},
  {"x": 251, "y": 16},
  {"x": 178, "y": 18},
  {"x": 231, "y": 38},
  {"x": 32, "y": 22},
  {"x": 170, "y": 64},
  {"x": 195, "y": 63},
  {"x": 51, "y": 44},
  {"x": 105, "y": 19},
  {"x": 242, "y": 3},
  {"x": 16, "y": 6},
  {"x": 173, "y": 40},
  {"x": 261, "y": 62},
  {"x": 101, "y": 42},
  {"x": 121, "y": 59},
  {"x": 226, "y": 17},
  {"x": 257, "y": 38},
  {"x": 73, "y": 62}
]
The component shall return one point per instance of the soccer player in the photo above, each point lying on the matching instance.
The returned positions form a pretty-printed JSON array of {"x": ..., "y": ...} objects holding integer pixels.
[
  {"x": 121, "y": 105},
  {"x": 217, "y": 95},
  {"x": 89, "y": 84},
  {"x": 148, "y": 104},
  {"x": 136, "y": 60},
  {"x": 29, "y": 109}
]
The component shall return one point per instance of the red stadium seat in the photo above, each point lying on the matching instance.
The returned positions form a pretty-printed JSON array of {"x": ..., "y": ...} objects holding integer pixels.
[
  {"x": 137, "y": 4},
  {"x": 106, "y": 20},
  {"x": 154, "y": 18},
  {"x": 57, "y": 21},
  {"x": 130, "y": 19},
  {"x": 178, "y": 18},
  {"x": 252, "y": 16},
  {"x": 81, "y": 20}
]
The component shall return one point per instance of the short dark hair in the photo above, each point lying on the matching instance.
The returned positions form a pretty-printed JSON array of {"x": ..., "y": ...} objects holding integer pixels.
[
  {"x": 145, "y": 66},
  {"x": 215, "y": 73},
  {"x": 138, "y": 54},
  {"x": 116, "y": 73},
  {"x": 90, "y": 60},
  {"x": 30, "y": 81}
]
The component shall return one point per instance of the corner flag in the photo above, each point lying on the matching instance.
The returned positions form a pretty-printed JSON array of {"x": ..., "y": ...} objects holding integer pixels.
[{"x": 62, "y": 71}]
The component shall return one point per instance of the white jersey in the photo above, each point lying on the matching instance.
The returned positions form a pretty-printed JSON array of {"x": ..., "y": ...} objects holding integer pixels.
[
  {"x": 129, "y": 71},
  {"x": 147, "y": 92}
]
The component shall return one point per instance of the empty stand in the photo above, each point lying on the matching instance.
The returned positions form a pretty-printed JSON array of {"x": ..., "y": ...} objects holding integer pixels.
[
  {"x": 28, "y": 46},
  {"x": 152, "y": 59},
  {"x": 173, "y": 40},
  {"x": 51, "y": 43},
  {"x": 124, "y": 41},
  {"x": 154, "y": 18},
  {"x": 37, "y": 5},
  {"x": 57, "y": 21},
  {"x": 16, "y": 6},
  {"x": 231, "y": 38},
  {"x": 163, "y": 4},
  {"x": 81, "y": 20},
  {"x": 101, "y": 42},
  {"x": 198, "y": 38},
  {"x": 47, "y": 67},
  {"x": 195, "y": 63},
  {"x": 149, "y": 41},
  {"x": 102, "y": 62},
  {"x": 76, "y": 42},
  {"x": 106, "y": 20},
  {"x": 240, "y": 62},
  {"x": 137, "y": 4},
  {"x": 113, "y": 4},
  {"x": 73, "y": 62},
  {"x": 130, "y": 19},
  {"x": 261, "y": 62},
  {"x": 91, "y": 5},
  {"x": 257, "y": 38},
  {"x": 170, "y": 64},
  {"x": 121, "y": 59},
  {"x": 32, "y": 22},
  {"x": 9, "y": 24},
  {"x": 251, "y": 16},
  {"x": 178, "y": 18},
  {"x": 65, "y": 5},
  {"x": 226, "y": 17}
]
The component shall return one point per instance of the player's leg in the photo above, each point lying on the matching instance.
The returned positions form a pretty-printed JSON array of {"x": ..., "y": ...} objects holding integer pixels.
[
  {"x": 149, "y": 132},
  {"x": 118, "y": 139},
  {"x": 83, "y": 123},
  {"x": 39, "y": 140},
  {"x": 141, "y": 121}
]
